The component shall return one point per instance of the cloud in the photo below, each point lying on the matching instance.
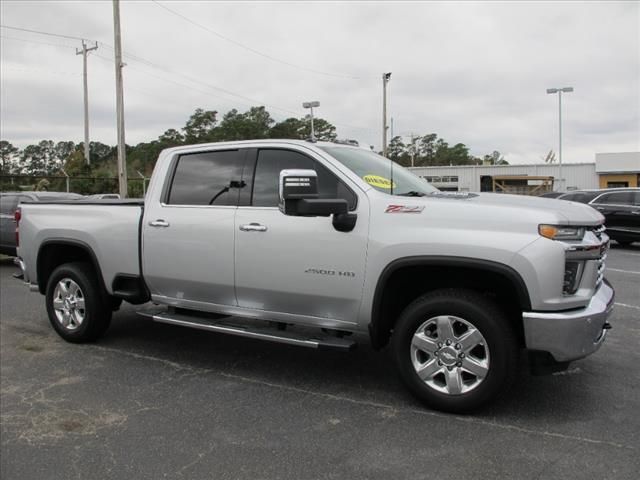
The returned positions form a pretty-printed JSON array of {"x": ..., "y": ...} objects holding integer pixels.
[{"x": 472, "y": 72}]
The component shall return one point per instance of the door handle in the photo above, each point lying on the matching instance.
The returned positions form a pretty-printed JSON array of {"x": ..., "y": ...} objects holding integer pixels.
[
  {"x": 253, "y": 227},
  {"x": 159, "y": 223}
]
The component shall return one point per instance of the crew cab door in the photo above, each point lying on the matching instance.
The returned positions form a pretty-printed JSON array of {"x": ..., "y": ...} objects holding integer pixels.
[
  {"x": 299, "y": 265},
  {"x": 188, "y": 233}
]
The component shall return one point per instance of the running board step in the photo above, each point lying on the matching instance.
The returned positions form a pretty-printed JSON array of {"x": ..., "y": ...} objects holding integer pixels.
[{"x": 225, "y": 325}]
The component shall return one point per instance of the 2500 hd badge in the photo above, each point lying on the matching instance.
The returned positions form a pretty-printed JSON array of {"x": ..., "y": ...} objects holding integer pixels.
[{"x": 331, "y": 273}]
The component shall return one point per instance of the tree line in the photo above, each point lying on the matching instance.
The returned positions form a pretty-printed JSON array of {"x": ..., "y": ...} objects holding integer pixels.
[
  {"x": 429, "y": 150},
  {"x": 49, "y": 158}
]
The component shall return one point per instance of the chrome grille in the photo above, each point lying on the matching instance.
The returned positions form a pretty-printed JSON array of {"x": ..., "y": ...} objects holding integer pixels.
[{"x": 598, "y": 231}]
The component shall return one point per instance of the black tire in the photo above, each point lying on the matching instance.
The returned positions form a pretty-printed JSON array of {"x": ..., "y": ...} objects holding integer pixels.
[
  {"x": 470, "y": 392},
  {"x": 624, "y": 243},
  {"x": 96, "y": 314}
]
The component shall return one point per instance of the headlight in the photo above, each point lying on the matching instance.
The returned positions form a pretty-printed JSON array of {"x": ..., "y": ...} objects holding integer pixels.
[{"x": 561, "y": 232}]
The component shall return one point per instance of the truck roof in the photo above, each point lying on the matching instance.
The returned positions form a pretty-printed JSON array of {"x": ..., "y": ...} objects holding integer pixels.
[{"x": 305, "y": 143}]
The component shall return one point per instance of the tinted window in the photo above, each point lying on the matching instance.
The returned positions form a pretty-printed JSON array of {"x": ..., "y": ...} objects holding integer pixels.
[
  {"x": 572, "y": 197},
  {"x": 615, "y": 198},
  {"x": 582, "y": 197},
  {"x": 209, "y": 178},
  {"x": 271, "y": 162},
  {"x": 8, "y": 204}
]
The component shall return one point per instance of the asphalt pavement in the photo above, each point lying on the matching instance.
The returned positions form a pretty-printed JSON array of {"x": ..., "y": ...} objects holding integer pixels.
[{"x": 153, "y": 401}]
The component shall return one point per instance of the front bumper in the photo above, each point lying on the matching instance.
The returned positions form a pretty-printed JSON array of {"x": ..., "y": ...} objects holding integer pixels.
[{"x": 572, "y": 334}]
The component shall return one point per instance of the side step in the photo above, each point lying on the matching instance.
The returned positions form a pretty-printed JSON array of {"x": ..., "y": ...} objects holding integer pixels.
[{"x": 251, "y": 330}]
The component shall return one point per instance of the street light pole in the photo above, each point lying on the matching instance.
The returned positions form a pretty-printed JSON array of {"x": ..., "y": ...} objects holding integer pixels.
[
  {"x": 385, "y": 79},
  {"x": 559, "y": 92},
  {"x": 310, "y": 106}
]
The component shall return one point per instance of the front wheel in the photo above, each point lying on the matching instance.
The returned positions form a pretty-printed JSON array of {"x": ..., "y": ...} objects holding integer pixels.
[
  {"x": 77, "y": 306},
  {"x": 623, "y": 243},
  {"x": 455, "y": 350}
]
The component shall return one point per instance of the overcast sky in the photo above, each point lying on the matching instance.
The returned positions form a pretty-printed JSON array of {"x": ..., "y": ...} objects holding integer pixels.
[{"x": 472, "y": 72}]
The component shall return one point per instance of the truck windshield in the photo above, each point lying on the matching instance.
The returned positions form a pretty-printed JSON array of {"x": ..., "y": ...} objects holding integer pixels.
[{"x": 376, "y": 171}]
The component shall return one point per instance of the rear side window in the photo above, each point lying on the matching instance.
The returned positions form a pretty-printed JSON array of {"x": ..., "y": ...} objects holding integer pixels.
[
  {"x": 267, "y": 175},
  {"x": 208, "y": 178},
  {"x": 8, "y": 204},
  {"x": 615, "y": 198}
]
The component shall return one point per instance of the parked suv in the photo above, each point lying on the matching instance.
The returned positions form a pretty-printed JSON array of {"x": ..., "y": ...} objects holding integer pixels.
[
  {"x": 620, "y": 207},
  {"x": 9, "y": 202}
]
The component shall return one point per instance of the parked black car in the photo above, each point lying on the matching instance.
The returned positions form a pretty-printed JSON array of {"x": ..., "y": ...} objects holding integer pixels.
[
  {"x": 620, "y": 207},
  {"x": 9, "y": 201}
]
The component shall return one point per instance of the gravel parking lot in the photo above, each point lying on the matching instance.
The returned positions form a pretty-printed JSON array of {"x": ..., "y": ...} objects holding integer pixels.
[{"x": 158, "y": 401}]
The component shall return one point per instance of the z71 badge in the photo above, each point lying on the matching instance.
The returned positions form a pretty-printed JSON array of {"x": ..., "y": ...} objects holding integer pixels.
[{"x": 404, "y": 209}]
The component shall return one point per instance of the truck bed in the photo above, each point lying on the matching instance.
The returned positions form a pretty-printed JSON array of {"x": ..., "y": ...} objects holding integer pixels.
[{"x": 110, "y": 229}]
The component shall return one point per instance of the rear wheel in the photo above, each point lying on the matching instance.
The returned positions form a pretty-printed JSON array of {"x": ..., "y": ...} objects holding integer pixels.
[
  {"x": 455, "y": 350},
  {"x": 77, "y": 306}
]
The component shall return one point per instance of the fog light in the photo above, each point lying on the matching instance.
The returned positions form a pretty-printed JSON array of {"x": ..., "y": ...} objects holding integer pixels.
[{"x": 572, "y": 276}]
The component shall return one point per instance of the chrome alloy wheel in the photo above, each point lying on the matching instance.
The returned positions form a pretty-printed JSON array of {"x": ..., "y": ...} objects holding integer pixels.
[
  {"x": 450, "y": 355},
  {"x": 68, "y": 304}
]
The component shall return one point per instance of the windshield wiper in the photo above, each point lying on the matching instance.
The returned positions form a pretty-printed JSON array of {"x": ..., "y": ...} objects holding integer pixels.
[{"x": 412, "y": 193}]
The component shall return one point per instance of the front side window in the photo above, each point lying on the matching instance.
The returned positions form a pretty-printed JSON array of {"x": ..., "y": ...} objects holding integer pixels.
[
  {"x": 267, "y": 175},
  {"x": 208, "y": 178},
  {"x": 378, "y": 171}
]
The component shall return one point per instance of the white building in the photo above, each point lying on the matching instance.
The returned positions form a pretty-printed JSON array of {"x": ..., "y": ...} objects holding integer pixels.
[{"x": 479, "y": 178}]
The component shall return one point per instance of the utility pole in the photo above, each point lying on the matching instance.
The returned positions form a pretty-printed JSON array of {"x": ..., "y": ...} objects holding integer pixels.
[
  {"x": 385, "y": 79},
  {"x": 122, "y": 158},
  {"x": 413, "y": 150},
  {"x": 84, "y": 52}
]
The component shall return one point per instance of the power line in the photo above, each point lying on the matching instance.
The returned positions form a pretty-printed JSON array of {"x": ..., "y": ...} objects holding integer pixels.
[
  {"x": 168, "y": 80},
  {"x": 39, "y": 70},
  {"x": 44, "y": 33},
  {"x": 171, "y": 72},
  {"x": 154, "y": 65},
  {"x": 252, "y": 101},
  {"x": 35, "y": 41},
  {"x": 253, "y": 50}
]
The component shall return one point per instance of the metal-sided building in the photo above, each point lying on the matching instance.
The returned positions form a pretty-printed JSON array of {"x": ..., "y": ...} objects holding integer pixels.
[{"x": 609, "y": 170}]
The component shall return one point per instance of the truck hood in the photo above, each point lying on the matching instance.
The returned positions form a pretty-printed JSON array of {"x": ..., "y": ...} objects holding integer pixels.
[
  {"x": 502, "y": 208},
  {"x": 573, "y": 213}
]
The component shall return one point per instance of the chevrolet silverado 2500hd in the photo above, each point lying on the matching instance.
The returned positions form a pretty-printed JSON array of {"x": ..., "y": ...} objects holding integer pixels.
[{"x": 267, "y": 239}]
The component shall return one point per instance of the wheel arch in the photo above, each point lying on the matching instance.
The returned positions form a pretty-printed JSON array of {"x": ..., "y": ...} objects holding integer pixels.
[
  {"x": 404, "y": 279},
  {"x": 55, "y": 252}
]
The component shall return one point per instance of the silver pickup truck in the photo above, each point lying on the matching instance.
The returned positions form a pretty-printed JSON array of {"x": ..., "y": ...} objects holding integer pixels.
[{"x": 318, "y": 244}]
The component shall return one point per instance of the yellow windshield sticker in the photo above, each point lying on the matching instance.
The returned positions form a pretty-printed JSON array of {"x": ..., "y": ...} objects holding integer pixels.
[{"x": 377, "y": 181}]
